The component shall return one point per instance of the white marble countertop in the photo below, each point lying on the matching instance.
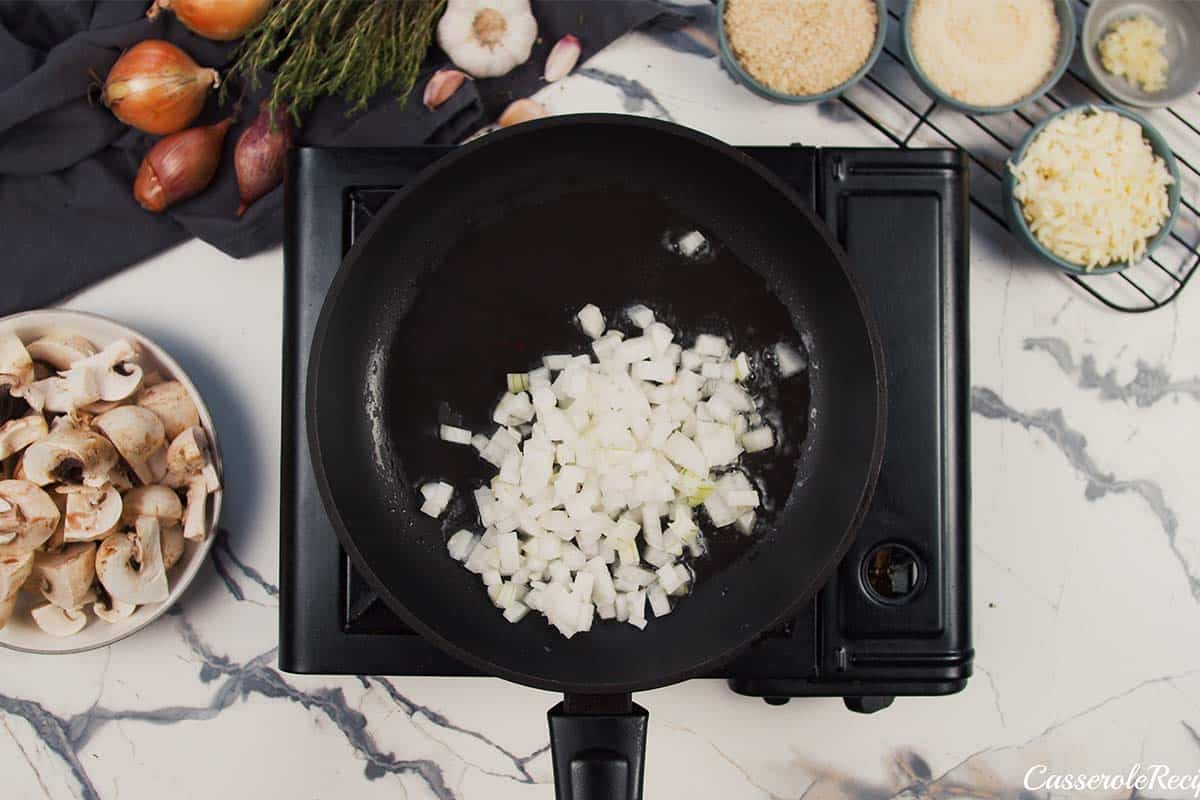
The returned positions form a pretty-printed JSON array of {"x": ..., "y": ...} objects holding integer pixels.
[{"x": 1086, "y": 564}]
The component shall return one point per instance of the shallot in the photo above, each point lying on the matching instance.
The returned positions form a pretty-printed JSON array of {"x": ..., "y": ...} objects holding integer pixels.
[
  {"x": 261, "y": 153},
  {"x": 179, "y": 166}
]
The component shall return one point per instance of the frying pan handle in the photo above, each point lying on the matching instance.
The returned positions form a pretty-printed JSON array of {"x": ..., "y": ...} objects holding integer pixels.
[{"x": 599, "y": 747}]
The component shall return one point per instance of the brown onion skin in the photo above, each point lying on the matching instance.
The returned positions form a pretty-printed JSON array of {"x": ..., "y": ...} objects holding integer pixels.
[
  {"x": 179, "y": 166},
  {"x": 222, "y": 20},
  {"x": 157, "y": 88},
  {"x": 261, "y": 153}
]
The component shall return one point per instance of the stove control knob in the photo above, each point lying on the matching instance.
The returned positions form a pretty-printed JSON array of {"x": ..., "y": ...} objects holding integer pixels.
[{"x": 892, "y": 573}]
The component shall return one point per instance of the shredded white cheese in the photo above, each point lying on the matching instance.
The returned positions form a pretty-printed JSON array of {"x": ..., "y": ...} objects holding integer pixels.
[
  {"x": 1133, "y": 49},
  {"x": 1091, "y": 188}
]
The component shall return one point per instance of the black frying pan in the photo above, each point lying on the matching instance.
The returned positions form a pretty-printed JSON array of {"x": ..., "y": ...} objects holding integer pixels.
[{"x": 475, "y": 270}]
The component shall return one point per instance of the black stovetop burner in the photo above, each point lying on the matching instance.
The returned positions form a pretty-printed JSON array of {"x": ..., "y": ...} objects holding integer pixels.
[{"x": 894, "y": 619}]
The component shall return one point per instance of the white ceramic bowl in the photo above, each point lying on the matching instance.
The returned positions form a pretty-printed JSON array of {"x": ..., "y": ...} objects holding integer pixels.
[{"x": 21, "y": 633}]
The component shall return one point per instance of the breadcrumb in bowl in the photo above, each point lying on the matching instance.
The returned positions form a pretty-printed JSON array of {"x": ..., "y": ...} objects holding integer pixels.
[{"x": 800, "y": 51}]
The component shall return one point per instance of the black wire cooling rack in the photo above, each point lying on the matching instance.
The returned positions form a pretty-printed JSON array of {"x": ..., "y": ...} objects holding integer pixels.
[{"x": 891, "y": 102}]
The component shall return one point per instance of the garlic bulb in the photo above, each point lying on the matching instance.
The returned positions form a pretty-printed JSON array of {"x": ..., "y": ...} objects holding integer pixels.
[{"x": 487, "y": 38}]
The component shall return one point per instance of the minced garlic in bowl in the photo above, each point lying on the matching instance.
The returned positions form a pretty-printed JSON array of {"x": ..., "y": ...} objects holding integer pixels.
[{"x": 1133, "y": 48}]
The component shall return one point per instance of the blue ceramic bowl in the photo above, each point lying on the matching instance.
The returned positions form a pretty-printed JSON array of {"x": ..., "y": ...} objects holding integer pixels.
[
  {"x": 1066, "y": 47},
  {"x": 743, "y": 77},
  {"x": 1016, "y": 220}
]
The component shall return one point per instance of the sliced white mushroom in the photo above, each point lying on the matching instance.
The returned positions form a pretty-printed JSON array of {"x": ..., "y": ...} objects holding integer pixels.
[
  {"x": 29, "y": 513},
  {"x": 116, "y": 370},
  {"x": 65, "y": 578},
  {"x": 16, "y": 366},
  {"x": 188, "y": 457},
  {"x": 138, "y": 435},
  {"x": 19, "y": 433},
  {"x": 155, "y": 501},
  {"x": 59, "y": 621},
  {"x": 62, "y": 394},
  {"x": 130, "y": 566},
  {"x": 190, "y": 466},
  {"x": 114, "y": 610},
  {"x": 92, "y": 514},
  {"x": 70, "y": 455},
  {"x": 172, "y": 545},
  {"x": 173, "y": 404},
  {"x": 14, "y": 571},
  {"x": 60, "y": 350}
]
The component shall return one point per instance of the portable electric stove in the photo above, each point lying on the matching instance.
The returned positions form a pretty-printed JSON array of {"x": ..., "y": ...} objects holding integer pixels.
[{"x": 894, "y": 619}]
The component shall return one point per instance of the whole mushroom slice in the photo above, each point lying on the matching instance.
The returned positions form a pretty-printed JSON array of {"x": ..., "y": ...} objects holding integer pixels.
[
  {"x": 65, "y": 578},
  {"x": 14, "y": 571},
  {"x": 69, "y": 455},
  {"x": 156, "y": 501},
  {"x": 58, "y": 621},
  {"x": 28, "y": 517},
  {"x": 130, "y": 566},
  {"x": 138, "y": 435},
  {"x": 60, "y": 349},
  {"x": 19, "y": 433},
  {"x": 173, "y": 404},
  {"x": 92, "y": 514},
  {"x": 190, "y": 466},
  {"x": 115, "y": 369}
]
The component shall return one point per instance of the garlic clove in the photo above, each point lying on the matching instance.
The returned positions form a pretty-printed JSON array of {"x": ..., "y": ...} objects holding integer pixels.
[
  {"x": 442, "y": 86},
  {"x": 522, "y": 110},
  {"x": 562, "y": 59}
]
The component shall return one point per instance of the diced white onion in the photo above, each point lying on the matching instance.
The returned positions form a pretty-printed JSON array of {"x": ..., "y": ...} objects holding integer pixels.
[
  {"x": 790, "y": 362},
  {"x": 461, "y": 544},
  {"x": 450, "y": 433},
  {"x": 640, "y": 315},
  {"x": 591, "y": 456},
  {"x": 591, "y": 321},
  {"x": 758, "y": 439}
]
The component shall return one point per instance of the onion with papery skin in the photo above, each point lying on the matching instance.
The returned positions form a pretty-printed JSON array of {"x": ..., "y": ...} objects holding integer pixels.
[
  {"x": 179, "y": 166},
  {"x": 223, "y": 20},
  {"x": 157, "y": 88},
  {"x": 260, "y": 154}
]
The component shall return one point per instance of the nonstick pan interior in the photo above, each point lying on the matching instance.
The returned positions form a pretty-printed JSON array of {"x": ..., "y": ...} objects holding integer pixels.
[{"x": 477, "y": 269}]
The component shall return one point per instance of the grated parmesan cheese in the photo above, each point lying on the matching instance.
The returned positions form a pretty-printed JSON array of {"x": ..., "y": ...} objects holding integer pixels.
[
  {"x": 985, "y": 53},
  {"x": 1133, "y": 49},
  {"x": 1091, "y": 188}
]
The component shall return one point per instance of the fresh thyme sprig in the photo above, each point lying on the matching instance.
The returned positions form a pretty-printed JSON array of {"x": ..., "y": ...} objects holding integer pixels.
[{"x": 350, "y": 48}]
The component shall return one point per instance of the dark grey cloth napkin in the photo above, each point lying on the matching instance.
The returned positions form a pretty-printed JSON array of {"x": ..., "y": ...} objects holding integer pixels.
[{"x": 67, "y": 214}]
